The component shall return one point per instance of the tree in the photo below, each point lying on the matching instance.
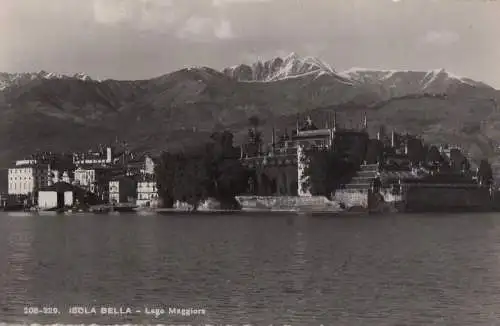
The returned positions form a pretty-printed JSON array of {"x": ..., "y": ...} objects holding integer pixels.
[
  {"x": 434, "y": 156},
  {"x": 326, "y": 171},
  {"x": 458, "y": 160},
  {"x": 222, "y": 143},
  {"x": 485, "y": 173},
  {"x": 374, "y": 152},
  {"x": 190, "y": 178},
  {"x": 228, "y": 176},
  {"x": 254, "y": 121},
  {"x": 165, "y": 175},
  {"x": 416, "y": 151},
  {"x": 210, "y": 170}
]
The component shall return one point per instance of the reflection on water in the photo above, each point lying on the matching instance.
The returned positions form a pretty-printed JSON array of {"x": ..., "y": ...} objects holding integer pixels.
[{"x": 411, "y": 270}]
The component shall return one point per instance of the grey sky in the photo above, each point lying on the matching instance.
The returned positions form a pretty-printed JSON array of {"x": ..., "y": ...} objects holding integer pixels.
[{"x": 132, "y": 39}]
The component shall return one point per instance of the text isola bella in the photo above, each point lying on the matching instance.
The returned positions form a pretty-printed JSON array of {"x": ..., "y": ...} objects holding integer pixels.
[{"x": 100, "y": 310}]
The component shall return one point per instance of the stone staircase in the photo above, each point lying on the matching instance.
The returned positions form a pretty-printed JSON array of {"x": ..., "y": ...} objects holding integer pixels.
[{"x": 364, "y": 177}]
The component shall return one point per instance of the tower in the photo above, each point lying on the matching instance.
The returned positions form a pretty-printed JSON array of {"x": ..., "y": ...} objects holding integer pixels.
[
  {"x": 334, "y": 121},
  {"x": 50, "y": 180},
  {"x": 309, "y": 120},
  {"x": 297, "y": 124},
  {"x": 365, "y": 122},
  {"x": 333, "y": 128},
  {"x": 273, "y": 137},
  {"x": 65, "y": 177},
  {"x": 108, "y": 155}
]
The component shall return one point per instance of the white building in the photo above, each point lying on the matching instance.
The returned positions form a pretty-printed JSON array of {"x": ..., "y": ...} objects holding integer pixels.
[
  {"x": 59, "y": 195},
  {"x": 94, "y": 158},
  {"x": 147, "y": 194},
  {"x": 27, "y": 177},
  {"x": 51, "y": 199},
  {"x": 85, "y": 177}
]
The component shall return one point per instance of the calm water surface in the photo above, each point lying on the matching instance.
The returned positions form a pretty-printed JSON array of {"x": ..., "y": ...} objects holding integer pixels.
[{"x": 393, "y": 270}]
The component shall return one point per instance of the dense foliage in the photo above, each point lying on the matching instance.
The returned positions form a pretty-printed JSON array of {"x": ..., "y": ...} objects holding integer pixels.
[
  {"x": 211, "y": 170},
  {"x": 416, "y": 151},
  {"x": 326, "y": 171},
  {"x": 485, "y": 173},
  {"x": 434, "y": 156},
  {"x": 458, "y": 161},
  {"x": 374, "y": 151}
]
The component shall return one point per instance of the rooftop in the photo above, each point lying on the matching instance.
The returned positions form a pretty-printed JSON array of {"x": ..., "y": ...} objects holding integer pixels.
[{"x": 62, "y": 187}]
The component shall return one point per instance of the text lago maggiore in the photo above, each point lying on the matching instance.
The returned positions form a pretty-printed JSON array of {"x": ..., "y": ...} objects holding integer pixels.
[{"x": 157, "y": 312}]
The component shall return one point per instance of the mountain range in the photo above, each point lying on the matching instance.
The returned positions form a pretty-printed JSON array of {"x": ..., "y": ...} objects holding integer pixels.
[{"x": 48, "y": 111}]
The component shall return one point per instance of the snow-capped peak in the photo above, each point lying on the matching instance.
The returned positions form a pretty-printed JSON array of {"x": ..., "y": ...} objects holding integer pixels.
[
  {"x": 410, "y": 81},
  {"x": 12, "y": 79},
  {"x": 443, "y": 76},
  {"x": 293, "y": 65},
  {"x": 82, "y": 76},
  {"x": 362, "y": 73},
  {"x": 291, "y": 56},
  {"x": 280, "y": 68}
]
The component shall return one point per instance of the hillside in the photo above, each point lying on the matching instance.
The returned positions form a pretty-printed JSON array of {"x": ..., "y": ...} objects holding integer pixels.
[{"x": 48, "y": 111}]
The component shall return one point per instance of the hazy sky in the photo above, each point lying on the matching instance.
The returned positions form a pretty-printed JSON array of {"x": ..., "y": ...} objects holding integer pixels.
[{"x": 132, "y": 39}]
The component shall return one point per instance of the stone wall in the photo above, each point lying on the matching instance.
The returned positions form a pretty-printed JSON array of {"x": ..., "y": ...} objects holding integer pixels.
[
  {"x": 353, "y": 197},
  {"x": 417, "y": 198},
  {"x": 393, "y": 202},
  {"x": 292, "y": 203}
]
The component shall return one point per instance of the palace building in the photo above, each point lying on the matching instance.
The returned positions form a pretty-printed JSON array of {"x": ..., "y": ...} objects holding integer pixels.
[
  {"x": 26, "y": 177},
  {"x": 279, "y": 170}
]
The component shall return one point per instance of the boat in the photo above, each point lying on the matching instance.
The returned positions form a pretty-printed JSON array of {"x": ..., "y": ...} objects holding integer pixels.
[
  {"x": 53, "y": 210},
  {"x": 118, "y": 208},
  {"x": 14, "y": 208},
  {"x": 123, "y": 208},
  {"x": 145, "y": 211},
  {"x": 99, "y": 209}
]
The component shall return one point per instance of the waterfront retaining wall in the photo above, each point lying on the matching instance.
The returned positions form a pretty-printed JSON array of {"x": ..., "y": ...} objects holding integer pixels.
[
  {"x": 366, "y": 200},
  {"x": 425, "y": 198},
  {"x": 353, "y": 197},
  {"x": 287, "y": 203}
]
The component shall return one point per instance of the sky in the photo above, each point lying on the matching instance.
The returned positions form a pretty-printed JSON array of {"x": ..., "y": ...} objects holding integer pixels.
[{"x": 139, "y": 39}]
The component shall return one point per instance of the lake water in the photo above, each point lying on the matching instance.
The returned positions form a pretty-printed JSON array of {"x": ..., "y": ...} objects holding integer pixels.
[{"x": 261, "y": 270}]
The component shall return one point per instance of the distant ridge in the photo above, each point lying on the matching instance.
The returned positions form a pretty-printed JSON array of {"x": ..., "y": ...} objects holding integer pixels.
[{"x": 7, "y": 79}]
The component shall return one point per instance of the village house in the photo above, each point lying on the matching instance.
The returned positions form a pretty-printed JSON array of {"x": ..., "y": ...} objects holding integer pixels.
[
  {"x": 95, "y": 179},
  {"x": 147, "y": 193},
  {"x": 26, "y": 178},
  {"x": 147, "y": 190},
  {"x": 101, "y": 157}
]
